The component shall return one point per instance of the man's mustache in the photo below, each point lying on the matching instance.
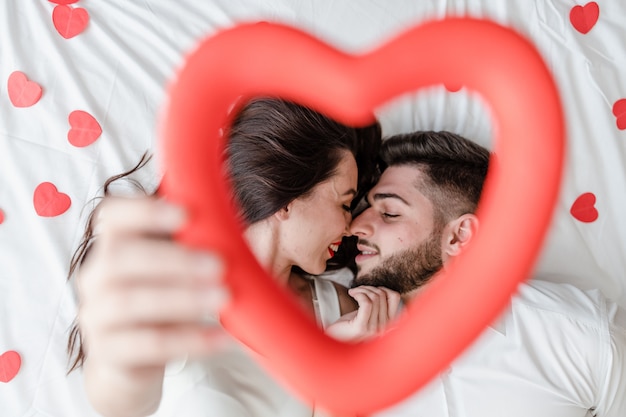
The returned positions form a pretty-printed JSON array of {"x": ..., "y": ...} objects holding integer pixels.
[{"x": 369, "y": 244}]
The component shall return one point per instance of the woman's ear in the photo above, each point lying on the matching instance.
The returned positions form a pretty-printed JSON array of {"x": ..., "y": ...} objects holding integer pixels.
[{"x": 458, "y": 233}]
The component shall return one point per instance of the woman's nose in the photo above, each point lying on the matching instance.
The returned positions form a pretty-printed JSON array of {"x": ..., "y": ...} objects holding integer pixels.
[{"x": 346, "y": 231}]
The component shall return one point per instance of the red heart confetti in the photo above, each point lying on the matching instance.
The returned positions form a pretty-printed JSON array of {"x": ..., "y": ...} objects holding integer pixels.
[
  {"x": 84, "y": 130},
  {"x": 583, "y": 18},
  {"x": 22, "y": 91},
  {"x": 63, "y": 1},
  {"x": 583, "y": 208},
  {"x": 1, "y": 216},
  {"x": 10, "y": 363},
  {"x": 49, "y": 202},
  {"x": 619, "y": 110},
  {"x": 69, "y": 21}
]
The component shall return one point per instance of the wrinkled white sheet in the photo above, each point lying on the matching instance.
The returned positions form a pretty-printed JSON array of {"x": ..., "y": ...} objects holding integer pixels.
[{"x": 116, "y": 70}]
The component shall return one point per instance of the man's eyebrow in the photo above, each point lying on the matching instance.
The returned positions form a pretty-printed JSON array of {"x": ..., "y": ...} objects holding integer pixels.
[{"x": 383, "y": 196}]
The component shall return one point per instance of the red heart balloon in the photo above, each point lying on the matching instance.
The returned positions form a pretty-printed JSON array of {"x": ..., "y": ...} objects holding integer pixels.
[{"x": 270, "y": 59}]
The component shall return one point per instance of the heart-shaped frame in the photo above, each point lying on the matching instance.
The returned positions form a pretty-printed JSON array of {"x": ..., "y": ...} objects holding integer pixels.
[{"x": 271, "y": 59}]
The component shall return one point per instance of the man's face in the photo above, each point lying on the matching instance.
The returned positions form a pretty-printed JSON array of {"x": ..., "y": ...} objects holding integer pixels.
[{"x": 400, "y": 245}]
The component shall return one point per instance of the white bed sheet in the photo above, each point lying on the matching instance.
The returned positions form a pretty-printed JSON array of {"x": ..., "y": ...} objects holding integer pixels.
[{"x": 116, "y": 67}]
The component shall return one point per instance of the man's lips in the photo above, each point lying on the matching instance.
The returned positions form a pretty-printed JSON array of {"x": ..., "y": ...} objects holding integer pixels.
[{"x": 366, "y": 252}]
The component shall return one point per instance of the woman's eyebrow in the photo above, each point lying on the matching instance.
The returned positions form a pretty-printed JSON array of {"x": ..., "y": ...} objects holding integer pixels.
[
  {"x": 351, "y": 192},
  {"x": 383, "y": 196}
]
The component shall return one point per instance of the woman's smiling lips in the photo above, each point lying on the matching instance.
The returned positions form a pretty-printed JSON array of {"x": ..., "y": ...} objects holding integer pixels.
[{"x": 333, "y": 248}]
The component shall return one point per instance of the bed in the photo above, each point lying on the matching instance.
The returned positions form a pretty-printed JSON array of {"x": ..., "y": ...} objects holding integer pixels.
[{"x": 82, "y": 84}]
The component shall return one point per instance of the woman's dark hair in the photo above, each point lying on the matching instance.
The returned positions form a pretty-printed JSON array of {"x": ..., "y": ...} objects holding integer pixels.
[{"x": 276, "y": 151}]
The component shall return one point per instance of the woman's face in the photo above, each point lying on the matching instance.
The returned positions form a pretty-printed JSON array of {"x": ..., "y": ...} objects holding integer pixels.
[{"x": 318, "y": 221}]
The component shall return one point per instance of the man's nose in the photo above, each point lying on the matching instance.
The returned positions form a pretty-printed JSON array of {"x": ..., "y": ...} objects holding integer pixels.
[{"x": 361, "y": 225}]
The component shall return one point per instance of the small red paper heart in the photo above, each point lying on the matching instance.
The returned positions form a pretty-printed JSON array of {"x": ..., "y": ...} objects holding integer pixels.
[
  {"x": 84, "y": 129},
  {"x": 49, "y": 202},
  {"x": 1, "y": 216},
  {"x": 10, "y": 363},
  {"x": 22, "y": 92},
  {"x": 241, "y": 62},
  {"x": 619, "y": 110},
  {"x": 63, "y": 1},
  {"x": 583, "y": 18},
  {"x": 69, "y": 21},
  {"x": 583, "y": 208}
]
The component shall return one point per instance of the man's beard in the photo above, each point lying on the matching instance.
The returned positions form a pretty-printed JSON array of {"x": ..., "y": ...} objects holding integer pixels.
[{"x": 407, "y": 270}]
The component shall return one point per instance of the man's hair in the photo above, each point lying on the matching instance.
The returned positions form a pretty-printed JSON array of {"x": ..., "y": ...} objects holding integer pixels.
[{"x": 455, "y": 169}]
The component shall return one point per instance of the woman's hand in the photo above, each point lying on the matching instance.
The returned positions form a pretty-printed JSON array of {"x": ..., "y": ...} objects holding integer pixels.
[
  {"x": 378, "y": 306},
  {"x": 144, "y": 301}
]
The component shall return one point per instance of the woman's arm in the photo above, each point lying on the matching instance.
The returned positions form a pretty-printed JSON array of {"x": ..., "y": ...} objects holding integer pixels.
[{"x": 347, "y": 304}]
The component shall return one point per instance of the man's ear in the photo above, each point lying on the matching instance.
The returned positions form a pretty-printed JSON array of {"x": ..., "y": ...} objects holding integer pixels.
[
  {"x": 458, "y": 233},
  {"x": 285, "y": 212}
]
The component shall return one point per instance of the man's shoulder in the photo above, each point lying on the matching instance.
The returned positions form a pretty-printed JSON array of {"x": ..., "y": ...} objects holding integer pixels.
[{"x": 560, "y": 299}]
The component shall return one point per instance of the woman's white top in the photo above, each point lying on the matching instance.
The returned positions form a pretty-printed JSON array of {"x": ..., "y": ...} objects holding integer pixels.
[{"x": 231, "y": 383}]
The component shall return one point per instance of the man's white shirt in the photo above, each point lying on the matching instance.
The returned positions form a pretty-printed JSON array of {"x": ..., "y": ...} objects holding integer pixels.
[{"x": 557, "y": 351}]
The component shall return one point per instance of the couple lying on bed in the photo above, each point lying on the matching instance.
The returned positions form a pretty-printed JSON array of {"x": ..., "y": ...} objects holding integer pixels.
[{"x": 144, "y": 299}]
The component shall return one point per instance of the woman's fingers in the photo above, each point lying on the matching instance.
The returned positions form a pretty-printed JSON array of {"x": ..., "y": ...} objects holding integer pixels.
[
  {"x": 366, "y": 310},
  {"x": 145, "y": 298},
  {"x": 140, "y": 260},
  {"x": 156, "y": 305},
  {"x": 378, "y": 317},
  {"x": 384, "y": 305},
  {"x": 141, "y": 347},
  {"x": 393, "y": 302},
  {"x": 148, "y": 280},
  {"x": 133, "y": 242},
  {"x": 137, "y": 215}
]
